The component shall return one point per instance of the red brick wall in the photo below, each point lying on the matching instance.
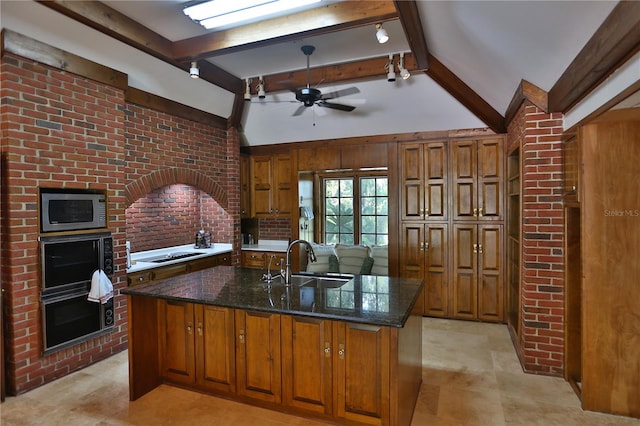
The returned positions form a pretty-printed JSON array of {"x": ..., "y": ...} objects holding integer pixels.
[
  {"x": 541, "y": 341},
  {"x": 274, "y": 229},
  {"x": 58, "y": 130},
  {"x": 171, "y": 216}
]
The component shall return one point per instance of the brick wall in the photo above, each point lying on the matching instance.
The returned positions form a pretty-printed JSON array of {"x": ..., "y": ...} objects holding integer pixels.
[
  {"x": 58, "y": 130},
  {"x": 171, "y": 216},
  {"x": 274, "y": 229},
  {"x": 165, "y": 150},
  {"x": 541, "y": 341}
]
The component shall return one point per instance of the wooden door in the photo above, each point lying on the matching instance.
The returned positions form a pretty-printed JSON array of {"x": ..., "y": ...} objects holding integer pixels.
[
  {"x": 258, "y": 362},
  {"x": 465, "y": 271},
  {"x": 283, "y": 195},
  {"x": 412, "y": 257},
  {"x": 411, "y": 178},
  {"x": 435, "y": 181},
  {"x": 436, "y": 290},
  {"x": 490, "y": 179},
  {"x": 176, "y": 341},
  {"x": 361, "y": 372},
  {"x": 215, "y": 348},
  {"x": 490, "y": 275},
  {"x": 306, "y": 360},
  {"x": 261, "y": 186},
  {"x": 464, "y": 173}
]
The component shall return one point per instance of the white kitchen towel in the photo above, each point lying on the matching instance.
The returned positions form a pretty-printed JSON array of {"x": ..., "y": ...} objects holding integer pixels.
[{"x": 101, "y": 287}]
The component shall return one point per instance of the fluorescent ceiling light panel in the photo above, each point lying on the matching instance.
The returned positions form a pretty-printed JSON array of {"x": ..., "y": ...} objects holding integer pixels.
[{"x": 220, "y": 13}]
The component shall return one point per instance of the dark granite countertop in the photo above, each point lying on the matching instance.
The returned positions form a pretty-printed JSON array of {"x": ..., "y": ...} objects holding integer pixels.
[{"x": 368, "y": 299}]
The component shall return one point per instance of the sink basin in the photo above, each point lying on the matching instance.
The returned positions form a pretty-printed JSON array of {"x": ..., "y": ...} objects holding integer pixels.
[
  {"x": 319, "y": 282},
  {"x": 167, "y": 257}
]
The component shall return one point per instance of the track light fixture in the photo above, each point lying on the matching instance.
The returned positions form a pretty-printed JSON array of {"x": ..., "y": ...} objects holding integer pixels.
[
  {"x": 260, "y": 88},
  {"x": 381, "y": 34},
  {"x": 404, "y": 73},
  {"x": 247, "y": 90},
  {"x": 391, "y": 74},
  {"x": 194, "y": 71}
]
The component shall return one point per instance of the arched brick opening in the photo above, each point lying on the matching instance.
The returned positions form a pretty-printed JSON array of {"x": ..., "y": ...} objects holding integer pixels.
[{"x": 148, "y": 183}]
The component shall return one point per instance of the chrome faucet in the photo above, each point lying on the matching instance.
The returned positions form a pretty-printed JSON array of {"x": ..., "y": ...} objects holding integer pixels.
[
  {"x": 268, "y": 277},
  {"x": 287, "y": 272}
]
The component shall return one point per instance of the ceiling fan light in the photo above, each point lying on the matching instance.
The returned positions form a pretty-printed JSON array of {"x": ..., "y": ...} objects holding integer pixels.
[
  {"x": 381, "y": 34},
  {"x": 194, "y": 71}
]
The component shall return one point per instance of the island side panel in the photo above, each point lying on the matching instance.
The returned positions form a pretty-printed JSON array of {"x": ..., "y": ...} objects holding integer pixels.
[
  {"x": 144, "y": 372},
  {"x": 406, "y": 369}
]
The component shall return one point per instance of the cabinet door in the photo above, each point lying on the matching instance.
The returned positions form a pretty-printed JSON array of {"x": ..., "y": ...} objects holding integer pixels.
[
  {"x": 435, "y": 181},
  {"x": 361, "y": 372},
  {"x": 436, "y": 294},
  {"x": 465, "y": 271},
  {"x": 176, "y": 341},
  {"x": 253, "y": 259},
  {"x": 464, "y": 172},
  {"x": 245, "y": 186},
  {"x": 261, "y": 186},
  {"x": 306, "y": 360},
  {"x": 258, "y": 355},
  {"x": 215, "y": 348},
  {"x": 490, "y": 179},
  {"x": 411, "y": 174},
  {"x": 490, "y": 275},
  {"x": 412, "y": 258},
  {"x": 283, "y": 186}
]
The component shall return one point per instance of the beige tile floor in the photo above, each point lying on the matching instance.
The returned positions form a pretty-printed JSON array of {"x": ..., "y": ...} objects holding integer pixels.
[{"x": 471, "y": 376}]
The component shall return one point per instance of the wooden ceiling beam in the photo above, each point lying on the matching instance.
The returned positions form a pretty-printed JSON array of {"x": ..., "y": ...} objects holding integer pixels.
[
  {"x": 331, "y": 18},
  {"x": 117, "y": 25},
  {"x": 617, "y": 39},
  {"x": 465, "y": 95},
  {"x": 413, "y": 30},
  {"x": 330, "y": 74}
]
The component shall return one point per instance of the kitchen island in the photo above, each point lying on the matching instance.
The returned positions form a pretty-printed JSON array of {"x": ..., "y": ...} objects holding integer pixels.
[{"x": 346, "y": 350}]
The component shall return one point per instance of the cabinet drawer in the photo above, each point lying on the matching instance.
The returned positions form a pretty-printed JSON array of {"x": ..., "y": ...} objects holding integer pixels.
[
  {"x": 169, "y": 271},
  {"x": 224, "y": 259},
  {"x": 204, "y": 263},
  {"x": 139, "y": 278},
  {"x": 253, "y": 259}
]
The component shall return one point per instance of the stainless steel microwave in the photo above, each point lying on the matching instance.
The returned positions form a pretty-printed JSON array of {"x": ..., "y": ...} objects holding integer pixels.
[{"x": 69, "y": 211}]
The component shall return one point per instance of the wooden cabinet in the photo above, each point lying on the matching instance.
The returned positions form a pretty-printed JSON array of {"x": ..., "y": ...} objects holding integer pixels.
[
  {"x": 424, "y": 255},
  {"x": 245, "y": 186},
  {"x": 197, "y": 345},
  {"x": 258, "y": 359},
  {"x": 423, "y": 176},
  {"x": 307, "y": 363},
  {"x": 477, "y": 272},
  {"x": 260, "y": 260},
  {"x": 272, "y": 188},
  {"x": 477, "y": 179},
  {"x": 514, "y": 232},
  {"x": 162, "y": 272}
]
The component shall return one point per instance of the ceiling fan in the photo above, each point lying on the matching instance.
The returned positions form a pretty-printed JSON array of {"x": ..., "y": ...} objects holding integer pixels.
[{"x": 310, "y": 96}]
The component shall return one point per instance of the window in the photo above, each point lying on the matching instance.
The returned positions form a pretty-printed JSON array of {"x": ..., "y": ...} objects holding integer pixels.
[{"x": 356, "y": 209}]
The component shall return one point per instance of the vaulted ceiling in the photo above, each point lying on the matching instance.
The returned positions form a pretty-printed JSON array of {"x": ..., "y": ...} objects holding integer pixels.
[{"x": 470, "y": 61}]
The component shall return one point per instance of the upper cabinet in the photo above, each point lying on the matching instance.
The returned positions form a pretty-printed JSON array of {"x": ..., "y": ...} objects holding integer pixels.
[
  {"x": 478, "y": 181},
  {"x": 272, "y": 188},
  {"x": 423, "y": 173}
]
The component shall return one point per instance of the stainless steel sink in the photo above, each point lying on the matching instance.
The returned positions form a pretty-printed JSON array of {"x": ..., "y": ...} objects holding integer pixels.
[
  {"x": 167, "y": 257},
  {"x": 320, "y": 282}
]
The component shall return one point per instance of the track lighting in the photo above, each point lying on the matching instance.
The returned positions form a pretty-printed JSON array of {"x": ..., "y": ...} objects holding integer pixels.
[
  {"x": 260, "y": 88},
  {"x": 194, "y": 71},
  {"x": 404, "y": 73},
  {"x": 247, "y": 91},
  {"x": 381, "y": 34},
  {"x": 391, "y": 74}
]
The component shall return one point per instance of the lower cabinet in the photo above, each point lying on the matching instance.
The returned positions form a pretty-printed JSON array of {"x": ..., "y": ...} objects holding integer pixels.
[
  {"x": 477, "y": 272},
  {"x": 338, "y": 371},
  {"x": 196, "y": 345},
  {"x": 274, "y": 261}
]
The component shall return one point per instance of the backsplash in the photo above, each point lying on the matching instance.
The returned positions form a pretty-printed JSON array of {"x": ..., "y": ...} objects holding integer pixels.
[
  {"x": 171, "y": 216},
  {"x": 274, "y": 229}
]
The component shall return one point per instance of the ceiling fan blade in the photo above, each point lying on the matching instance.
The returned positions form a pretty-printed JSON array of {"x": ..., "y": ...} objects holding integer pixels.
[
  {"x": 340, "y": 107},
  {"x": 299, "y": 111},
  {"x": 344, "y": 92}
]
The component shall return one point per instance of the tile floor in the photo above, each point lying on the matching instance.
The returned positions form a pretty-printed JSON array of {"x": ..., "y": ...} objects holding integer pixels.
[{"x": 471, "y": 376}]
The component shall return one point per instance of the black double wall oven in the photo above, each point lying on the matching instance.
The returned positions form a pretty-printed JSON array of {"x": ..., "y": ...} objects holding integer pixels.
[{"x": 68, "y": 263}]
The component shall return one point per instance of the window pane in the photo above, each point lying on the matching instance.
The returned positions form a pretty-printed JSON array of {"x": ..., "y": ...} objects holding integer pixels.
[
  {"x": 382, "y": 206},
  {"x": 368, "y": 187},
  {"x": 346, "y": 206},
  {"x": 331, "y": 224},
  {"x": 368, "y": 205},
  {"x": 382, "y": 187},
  {"x": 346, "y": 225},
  {"x": 369, "y": 239},
  {"x": 346, "y": 188},
  {"x": 346, "y": 239},
  {"x": 368, "y": 224},
  {"x": 382, "y": 225}
]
